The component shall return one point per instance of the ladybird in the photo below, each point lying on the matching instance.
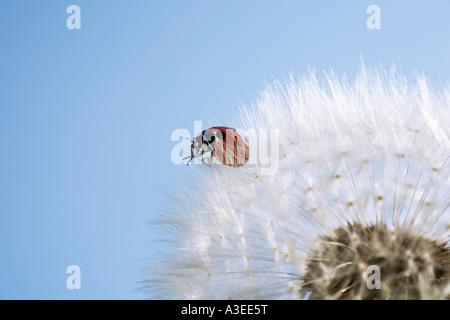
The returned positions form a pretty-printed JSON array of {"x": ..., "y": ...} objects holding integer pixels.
[{"x": 225, "y": 144}]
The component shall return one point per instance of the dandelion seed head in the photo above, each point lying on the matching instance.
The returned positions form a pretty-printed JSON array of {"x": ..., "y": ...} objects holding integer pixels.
[
  {"x": 362, "y": 179},
  {"x": 406, "y": 265}
]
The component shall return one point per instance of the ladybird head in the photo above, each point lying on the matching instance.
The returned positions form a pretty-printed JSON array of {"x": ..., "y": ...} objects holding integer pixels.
[
  {"x": 204, "y": 141},
  {"x": 197, "y": 142}
]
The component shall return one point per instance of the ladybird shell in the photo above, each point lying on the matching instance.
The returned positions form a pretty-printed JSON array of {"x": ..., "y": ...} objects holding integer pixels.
[{"x": 233, "y": 149}]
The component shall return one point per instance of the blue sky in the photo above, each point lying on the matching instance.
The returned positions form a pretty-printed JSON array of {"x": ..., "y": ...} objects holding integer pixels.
[{"x": 86, "y": 115}]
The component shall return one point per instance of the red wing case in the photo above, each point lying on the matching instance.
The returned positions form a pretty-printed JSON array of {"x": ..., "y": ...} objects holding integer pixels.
[{"x": 232, "y": 149}]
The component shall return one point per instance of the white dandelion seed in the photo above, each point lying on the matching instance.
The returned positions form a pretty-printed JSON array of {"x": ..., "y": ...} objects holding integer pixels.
[{"x": 363, "y": 179}]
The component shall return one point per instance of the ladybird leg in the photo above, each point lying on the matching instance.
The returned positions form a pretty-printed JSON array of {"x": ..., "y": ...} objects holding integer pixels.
[
  {"x": 191, "y": 156},
  {"x": 211, "y": 158},
  {"x": 207, "y": 161},
  {"x": 195, "y": 153}
]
